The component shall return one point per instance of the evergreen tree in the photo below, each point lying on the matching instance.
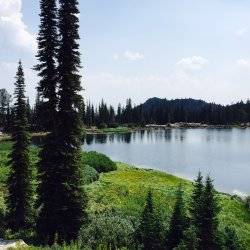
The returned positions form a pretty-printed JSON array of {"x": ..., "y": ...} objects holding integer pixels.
[
  {"x": 231, "y": 240},
  {"x": 190, "y": 240},
  {"x": 196, "y": 205},
  {"x": 148, "y": 233},
  {"x": 20, "y": 195},
  {"x": 47, "y": 52},
  {"x": 209, "y": 213},
  {"x": 178, "y": 222},
  {"x": 88, "y": 117},
  {"x": 62, "y": 197}
]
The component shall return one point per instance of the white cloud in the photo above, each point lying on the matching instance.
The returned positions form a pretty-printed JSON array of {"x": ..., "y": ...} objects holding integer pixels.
[
  {"x": 13, "y": 30},
  {"x": 129, "y": 55},
  {"x": 241, "y": 31},
  {"x": 244, "y": 63},
  {"x": 133, "y": 56},
  {"x": 116, "y": 57},
  {"x": 192, "y": 63}
]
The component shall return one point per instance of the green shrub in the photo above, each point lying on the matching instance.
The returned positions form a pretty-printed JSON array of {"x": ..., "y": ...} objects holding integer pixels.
[
  {"x": 102, "y": 125},
  {"x": 89, "y": 174},
  {"x": 100, "y": 162},
  {"x": 108, "y": 230},
  {"x": 113, "y": 125}
]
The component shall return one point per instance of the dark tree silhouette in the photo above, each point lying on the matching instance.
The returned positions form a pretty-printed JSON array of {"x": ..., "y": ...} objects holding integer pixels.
[
  {"x": 64, "y": 200},
  {"x": 148, "y": 233},
  {"x": 209, "y": 213},
  {"x": 20, "y": 195},
  {"x": 178, "y": 222},
  {"x": 47, "y": 53}
]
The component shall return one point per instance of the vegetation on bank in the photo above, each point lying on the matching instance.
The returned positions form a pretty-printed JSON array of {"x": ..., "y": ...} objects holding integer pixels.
[{"x": 117, "y": 198}]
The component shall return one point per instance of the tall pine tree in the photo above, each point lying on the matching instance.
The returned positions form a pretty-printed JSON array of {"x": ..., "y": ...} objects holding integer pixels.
[
  {"x": 148, "y": 232},
  {"x": 196, "y": 205},
  {"x": 47, "y": 54},
  {"x": 178, "y": 222},
  {"x": 209, "y": 213},
  {"x": 20, "y": 195},
  {"x": 63, "y": 199}
]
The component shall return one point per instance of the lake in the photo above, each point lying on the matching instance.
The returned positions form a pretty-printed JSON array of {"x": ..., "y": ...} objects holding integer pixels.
[{"x": 222, "y": 153}]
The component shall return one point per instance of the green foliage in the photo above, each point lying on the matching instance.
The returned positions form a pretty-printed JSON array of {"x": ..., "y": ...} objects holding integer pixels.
[
  {"x": 231, "y": 240},
  {"x": 100, "y": 162},
  {"x": 125, "y": 189},
  {"x": 102, "y": 126},
  {"x": 19, "y": 183},
  {"x": 46, "y": 67},
  {"x": 108, "y": 230},
  {"x": 178, "y": 222},
  {"x": 149, "y": 229},
  {"x": 89, "y": 174},
  {"x": 196, "y": 204},
  {"x": 62, "y": 198},
  {"x": 209, "y": 216},
  {"x": 190, "y": 240}
]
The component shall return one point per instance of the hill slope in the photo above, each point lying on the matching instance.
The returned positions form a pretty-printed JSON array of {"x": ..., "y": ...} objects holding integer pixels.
[{"x": 125, "y": 190}]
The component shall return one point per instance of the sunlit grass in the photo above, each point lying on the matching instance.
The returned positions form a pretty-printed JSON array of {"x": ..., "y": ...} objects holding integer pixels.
[{"x": 126, "y": 188}]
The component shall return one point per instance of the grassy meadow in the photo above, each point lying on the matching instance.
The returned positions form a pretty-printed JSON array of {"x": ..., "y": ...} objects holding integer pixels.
[{"x": 125, "y": 189}]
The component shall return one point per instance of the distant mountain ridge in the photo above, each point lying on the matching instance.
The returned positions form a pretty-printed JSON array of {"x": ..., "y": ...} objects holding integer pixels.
[{"x": 162, "y": 111}]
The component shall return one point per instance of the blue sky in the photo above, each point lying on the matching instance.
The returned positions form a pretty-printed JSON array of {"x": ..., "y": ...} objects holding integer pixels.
[{"x": 143, "y": 48}]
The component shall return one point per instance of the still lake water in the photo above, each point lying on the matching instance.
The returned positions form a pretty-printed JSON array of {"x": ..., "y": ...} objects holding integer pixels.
[{"x": 222, "y": 153}]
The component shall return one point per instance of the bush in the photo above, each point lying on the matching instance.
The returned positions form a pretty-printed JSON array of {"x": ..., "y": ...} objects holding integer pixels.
[
  {"x": 113, "y": 125},
  {"x": 102, "y": 125},
  {"x": 107, "y": 231},
  {"x": 100, "y": 162},
  {"x": 89, "y": 174},
  {"x": 248, "y": 202}
]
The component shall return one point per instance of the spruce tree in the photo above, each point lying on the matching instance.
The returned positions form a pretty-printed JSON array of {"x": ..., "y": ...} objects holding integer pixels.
[
  {"x": 62, "y": 198},
  {"x": 148, "y": 233},
  {"x": 178, "y": 222},
  {"x": 20, "y": 190},
  {"x": 196, "y": 205},
  {"x": 47, "y": 54},
  {"x": 231, "y": 240},
  {"x": 209, "y": 213},
  {"x": 190, "y": 240}
]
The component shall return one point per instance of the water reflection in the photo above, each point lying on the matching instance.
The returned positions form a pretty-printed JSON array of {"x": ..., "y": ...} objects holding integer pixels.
[{"x": 224, "y": 153}]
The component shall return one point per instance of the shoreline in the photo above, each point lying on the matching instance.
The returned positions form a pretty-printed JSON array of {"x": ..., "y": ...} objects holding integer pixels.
[
  {"x": 125, "y": 129},
  {"x": 193, "y": 125}
]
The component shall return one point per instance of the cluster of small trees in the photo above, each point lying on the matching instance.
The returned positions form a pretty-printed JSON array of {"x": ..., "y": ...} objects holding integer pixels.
[{"x": 192, "y": 228}]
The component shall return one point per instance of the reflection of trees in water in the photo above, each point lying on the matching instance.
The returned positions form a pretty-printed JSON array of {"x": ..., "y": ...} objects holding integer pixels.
[
  {"x": 220, "y": 134},
  {"x": 183, "y": 134},
  {"x": 101, "y": 138},
  {"x": 180, "y": 134},
  {"x": 142, "y": 134},
  {"x": 168, "y": 134},
  {"x": 111, "y": 138},
  {"x": 149, "y": 135},
  {"x": 88, "y": 139},
  {"x": 126, "y": 137}
]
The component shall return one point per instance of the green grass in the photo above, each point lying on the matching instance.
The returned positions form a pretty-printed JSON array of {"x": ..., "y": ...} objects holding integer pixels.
[
  {"x": 125, "y": 190},
  {"x": 117, "y": 130}
]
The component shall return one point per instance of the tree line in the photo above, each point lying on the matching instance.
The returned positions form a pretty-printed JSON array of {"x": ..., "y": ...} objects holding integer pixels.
[{"x": 153, "y": 111}]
